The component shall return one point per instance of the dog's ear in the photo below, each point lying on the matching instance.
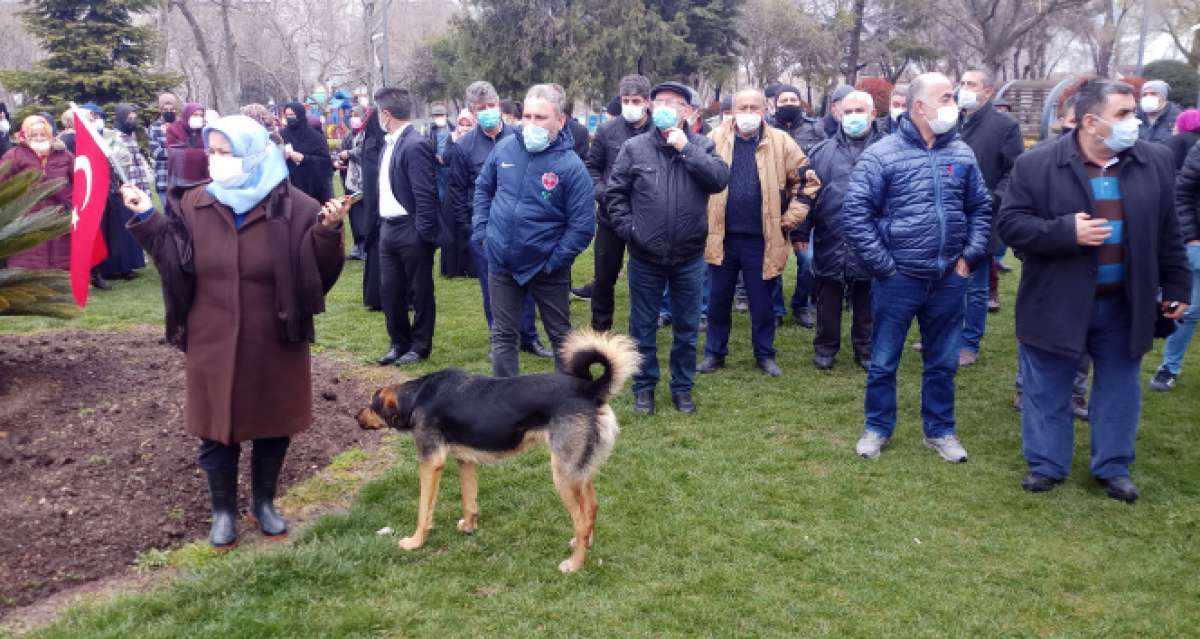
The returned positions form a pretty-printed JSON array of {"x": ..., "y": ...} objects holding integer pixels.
[{"x": 394, "y": 406}]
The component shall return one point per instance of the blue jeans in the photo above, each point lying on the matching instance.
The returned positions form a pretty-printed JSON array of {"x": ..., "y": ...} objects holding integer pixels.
[
  {"x": 1178, "y": 341},
  {"x": 528, "y": 330},
  {"x": 975, "y": 313},
  {"x": 937, "y": 306},
  {"x": 743, "y": 254},
  {"x": 646, "y": 284},
  {"x": 664, "y": 311},
  {"x": 804, "y": 284},
  {"x": 1047, "y": 425}
]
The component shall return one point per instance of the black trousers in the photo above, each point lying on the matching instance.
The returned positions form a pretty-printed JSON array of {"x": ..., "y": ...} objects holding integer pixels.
[
  {"x": 358, "y": 222},
  {"x": 371, "y": 283},
  {"x": 829, "y": 295},
  {"x": 216, "y": 456},
  {"x": 406, "y": 274},
  {"x": 609, "y": 253},
  {"x": 552, "y": 293}
]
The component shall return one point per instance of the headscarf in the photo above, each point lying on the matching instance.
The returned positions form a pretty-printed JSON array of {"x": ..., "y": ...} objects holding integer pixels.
[
  {"x": 304, "y": 139},
  {"x": 1188, "y": 121},
  {"x": 260, "y": 158},
  {"x": 122, "y": 113},
  {"x": 178, "y": 133}
]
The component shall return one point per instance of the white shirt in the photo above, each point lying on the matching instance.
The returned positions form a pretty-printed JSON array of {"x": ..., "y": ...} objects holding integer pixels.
[{"x": 389, "y": 208}]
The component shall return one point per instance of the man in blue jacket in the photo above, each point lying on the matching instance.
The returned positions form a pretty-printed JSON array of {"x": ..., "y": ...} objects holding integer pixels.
[
  {"x": 917, "y": 215},
  {"x": 465, "y": 162},
  {"x": 534, "y": 212}
]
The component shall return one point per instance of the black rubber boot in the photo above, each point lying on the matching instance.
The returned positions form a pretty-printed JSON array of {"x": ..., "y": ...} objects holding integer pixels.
[
  {"x": 264, "y": 479},
  {"x": 222, "y": 487}
]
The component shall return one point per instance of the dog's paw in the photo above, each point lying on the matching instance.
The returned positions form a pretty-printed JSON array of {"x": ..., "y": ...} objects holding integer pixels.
[
  {"x": 464, "y": 526},
  {"x": 411, "y": 543},
  {"x": 575, "y": 541},
  {"x": 569, "y": 566}
]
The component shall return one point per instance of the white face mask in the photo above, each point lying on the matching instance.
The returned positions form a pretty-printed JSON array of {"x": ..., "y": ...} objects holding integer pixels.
[
  {"x": 439, "y": 122},
  {"x": 227, "y": 171},
  {"x": 947, "y": 117},
  {"x": 747, "y": 122},
  {"x": 5, "y": 127},
  {"x": 1151, "y": 103},
  {"x": 633, "y": 113},
  {"x": 967, "y": 99},
  {"x": 726, "y": 118},
  {"x": 41, "y": 147},
  {"x": 196, "y": 122},
  {"x": 896, "y": 111}
]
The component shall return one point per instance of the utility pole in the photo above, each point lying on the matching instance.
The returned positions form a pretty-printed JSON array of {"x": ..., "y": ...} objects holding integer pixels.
[
  {"x": 1142, "y": 41},
  {"x": 387, "y": 46}
]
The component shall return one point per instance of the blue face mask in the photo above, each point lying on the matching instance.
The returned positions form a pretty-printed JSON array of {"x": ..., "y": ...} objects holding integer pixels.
[
  {"x": 1124, "y": 134},
  {"x": 665, "y": 117},
  {"x": 489, "y": 118},
  {"x": 536, "y": 138},
  {"x": 855, "y": 124}
]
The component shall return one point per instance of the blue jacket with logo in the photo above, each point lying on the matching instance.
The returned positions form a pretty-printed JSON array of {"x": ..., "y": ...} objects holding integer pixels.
[
  {"x": 534, "y": 212},
  {"x": 914, "y": 209}
]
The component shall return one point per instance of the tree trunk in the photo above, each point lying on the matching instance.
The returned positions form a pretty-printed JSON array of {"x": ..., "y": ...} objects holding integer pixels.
[
  {"x": 860, "y": 7},
  {"x": 232, "y": 94},
  {"x": 210, "y": 63}
]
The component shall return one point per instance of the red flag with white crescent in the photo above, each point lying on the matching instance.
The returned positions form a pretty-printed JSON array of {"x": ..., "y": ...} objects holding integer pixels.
[{"x": 89, "y": 194}]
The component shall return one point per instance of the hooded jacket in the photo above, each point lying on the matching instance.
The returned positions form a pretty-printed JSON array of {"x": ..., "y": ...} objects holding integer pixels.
[
  {"x": 533, "y": 212},
  {"x": 915, "y": 209}
]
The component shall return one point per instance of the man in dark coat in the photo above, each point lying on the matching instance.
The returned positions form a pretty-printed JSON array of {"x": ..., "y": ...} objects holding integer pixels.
[
  {"x": 534, "y": 213},
  {"x": 838, "y": 272},
  {"x": 897, "y": 105},
  {"x": 409, "y": 208},
  {"x": 833, "y": 112},
  {"x": 310, "y": 167},
  {"x": 917, "y": 214},
  {"x": 1187, "y": 207},
  {"x": 468, "y": 157},
  {"x": 1094, "y": 216},
  {"x": 995, "y": 138},
  {"x": 1157, "y": 113},
  {"x": 807, "y": 132},
  {"x": 609, "y": 251},
  {"x": 657, "y": 198},
  {"x": 372, "y": 150}
]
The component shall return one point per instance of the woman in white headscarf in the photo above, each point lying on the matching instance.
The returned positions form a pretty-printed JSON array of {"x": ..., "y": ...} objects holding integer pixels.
[{"x": 245, "y": 261}]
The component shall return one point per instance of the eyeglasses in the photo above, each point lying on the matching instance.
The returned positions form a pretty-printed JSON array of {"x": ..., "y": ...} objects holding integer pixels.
[{"x": 674, "y": 104}]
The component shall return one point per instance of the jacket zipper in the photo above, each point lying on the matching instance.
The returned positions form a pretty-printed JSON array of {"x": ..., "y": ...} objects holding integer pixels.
[{"x": 937, "y": 197}]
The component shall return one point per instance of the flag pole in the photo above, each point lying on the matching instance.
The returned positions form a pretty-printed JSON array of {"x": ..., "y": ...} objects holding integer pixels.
[{"x": 85, "y": 118}]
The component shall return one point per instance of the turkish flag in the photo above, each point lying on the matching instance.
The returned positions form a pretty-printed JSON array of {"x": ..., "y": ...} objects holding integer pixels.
[{"x": 89, "y": 194}]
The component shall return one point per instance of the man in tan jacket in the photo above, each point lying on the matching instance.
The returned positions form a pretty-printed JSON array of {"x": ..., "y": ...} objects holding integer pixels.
[{"x": 771, "y": 189}]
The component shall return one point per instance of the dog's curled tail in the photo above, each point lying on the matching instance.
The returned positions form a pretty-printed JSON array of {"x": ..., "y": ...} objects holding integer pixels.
[{"x": 616, "y": 353}]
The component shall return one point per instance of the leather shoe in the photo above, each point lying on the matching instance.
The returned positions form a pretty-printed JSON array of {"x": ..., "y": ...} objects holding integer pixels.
[
  {"x": 410, "y": 357},
  {"x": 804, "y": 318},
  {"x": 823, "y": 362},
  {"x": 864, "y": 361},
  {"x": 1121, "y": 488},
  {"x": 710, "y": 363},
  {"x": 1039, "y": 483},
  {"x": 643, "y": 402},
  {"x": 537, "y": 349},
  {"x": 769, "y": 367},
  {"x": 390, "y": 357},
  {"x": 683, "y": 402}
]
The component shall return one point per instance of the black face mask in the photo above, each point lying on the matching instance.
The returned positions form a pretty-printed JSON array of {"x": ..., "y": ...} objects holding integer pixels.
[
  {"x": 293, "y": 122},
  {"x": 168, "y": 116},
  {"x": 127, "y": 127},
  {"x": 788, "y": 113}
]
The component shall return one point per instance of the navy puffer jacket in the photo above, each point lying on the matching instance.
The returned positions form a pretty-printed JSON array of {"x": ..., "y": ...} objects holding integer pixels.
[
  {"x": 915, "y": 209},
  {"x": 533, "y": 212}
]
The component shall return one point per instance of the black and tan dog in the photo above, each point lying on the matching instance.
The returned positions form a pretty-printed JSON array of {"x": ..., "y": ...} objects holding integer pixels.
[{"x": 477, "y": 420}]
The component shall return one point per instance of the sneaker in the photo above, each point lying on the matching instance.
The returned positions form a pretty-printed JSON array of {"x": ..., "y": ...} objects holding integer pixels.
[
  {"x": 663, "y": 321},
  {"x": 1079, "y": 407},
  {"x": 917, "y": 346},
  {"x": 1164, "y": 380},
  {"x": 870, "y": 444},
  {"x": 993, "y": 303},
  {"x": 948, "y": 447},
  {"x": 1017, "y": 401}
]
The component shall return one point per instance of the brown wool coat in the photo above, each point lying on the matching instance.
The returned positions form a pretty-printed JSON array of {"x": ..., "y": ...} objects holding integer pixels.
[
  {"x": 243, "y": 381},
  {"x": 789, "y": 188}
]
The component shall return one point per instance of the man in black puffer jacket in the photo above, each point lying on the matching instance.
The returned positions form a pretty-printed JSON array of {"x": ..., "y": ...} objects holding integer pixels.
[{"x": 657, "y": 197}]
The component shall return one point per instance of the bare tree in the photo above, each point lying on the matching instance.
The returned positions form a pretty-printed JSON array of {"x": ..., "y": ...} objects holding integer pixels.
[{"x": 990, "y": 28}]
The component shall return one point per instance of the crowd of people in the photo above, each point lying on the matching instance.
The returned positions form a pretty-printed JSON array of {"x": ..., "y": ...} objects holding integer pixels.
[{"x": 895, "y": 217}]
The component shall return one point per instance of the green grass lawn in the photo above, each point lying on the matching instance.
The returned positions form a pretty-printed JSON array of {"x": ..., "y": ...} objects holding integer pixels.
[{"x": 751, "y": 518}]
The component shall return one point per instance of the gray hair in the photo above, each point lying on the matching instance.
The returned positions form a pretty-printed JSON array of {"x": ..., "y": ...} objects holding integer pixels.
[
  {"x": 918, "y": 89},
  {"x": 861, "y": 96},
  {"x": 900, "y": 90},
  {"x": 480, "y": 91},
  {"x": 551, "y": 93},
  {"x": 989, "y": 77},
  {"x": 634, "y": 85}
]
